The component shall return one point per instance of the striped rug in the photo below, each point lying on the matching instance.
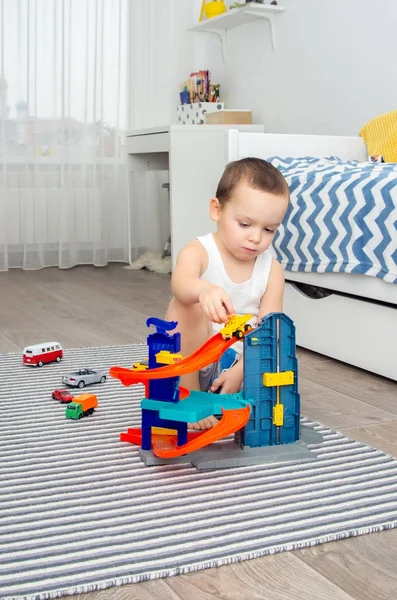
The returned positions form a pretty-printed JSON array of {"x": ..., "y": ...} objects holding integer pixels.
[{"x": 80, "y": 512}]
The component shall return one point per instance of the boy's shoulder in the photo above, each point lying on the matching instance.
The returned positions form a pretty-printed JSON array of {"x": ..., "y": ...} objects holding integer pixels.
[
  {"x": 194, "y": 247},
  {"x": 194, "y": 252}
]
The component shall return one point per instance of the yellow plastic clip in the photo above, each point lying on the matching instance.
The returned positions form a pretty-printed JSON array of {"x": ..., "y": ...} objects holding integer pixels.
[
  {"x": 278, "y": 415},
  {"x": 165, "y": 357},
  {"x": 277, "y": 379},
  {"x": 163, "y": 431}
]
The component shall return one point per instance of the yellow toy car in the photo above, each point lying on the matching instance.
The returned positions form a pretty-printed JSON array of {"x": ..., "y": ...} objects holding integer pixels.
[
  {"x": 142, "y": 365},
  {"x": 236, "y": 326}
]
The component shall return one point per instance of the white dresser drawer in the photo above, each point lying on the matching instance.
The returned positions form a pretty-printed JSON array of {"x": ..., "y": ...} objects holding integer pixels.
[{"x": 154, "y": 142}]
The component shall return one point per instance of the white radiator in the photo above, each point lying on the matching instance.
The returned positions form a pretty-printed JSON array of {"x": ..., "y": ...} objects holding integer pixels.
[{"x": 47, "y": 206}]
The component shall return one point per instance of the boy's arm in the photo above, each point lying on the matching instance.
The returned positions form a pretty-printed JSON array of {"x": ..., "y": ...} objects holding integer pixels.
[
  {"x": 272, "y": 299},
  {"x": 185, "y": 281},
  {"x": 188, "y": 288}
]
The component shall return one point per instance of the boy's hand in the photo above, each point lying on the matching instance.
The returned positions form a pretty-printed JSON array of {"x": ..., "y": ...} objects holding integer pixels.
[
  {"x": 215, "y": 303},
  {"x": 229, "y": 381}
]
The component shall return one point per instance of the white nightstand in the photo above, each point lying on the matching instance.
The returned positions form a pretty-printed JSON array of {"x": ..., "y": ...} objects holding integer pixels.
[{"x": 196, "y": 156}]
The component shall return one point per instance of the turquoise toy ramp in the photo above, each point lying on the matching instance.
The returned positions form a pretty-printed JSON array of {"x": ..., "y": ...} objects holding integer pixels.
[{"x": 195, "y": 407}]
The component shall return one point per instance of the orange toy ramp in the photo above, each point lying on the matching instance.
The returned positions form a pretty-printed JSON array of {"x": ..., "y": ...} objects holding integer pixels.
[
  {"x": 232, "y": 420},
  {"x": 210, "y": 352}
]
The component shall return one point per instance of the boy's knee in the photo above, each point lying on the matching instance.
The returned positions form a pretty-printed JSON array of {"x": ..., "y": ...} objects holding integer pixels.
[
  {"x": 190, "y": 317},
  {"x": 192, "y": 310}
]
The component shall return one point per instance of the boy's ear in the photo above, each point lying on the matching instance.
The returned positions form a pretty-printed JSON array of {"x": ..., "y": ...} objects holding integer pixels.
[{"x": 215, "y": 209}]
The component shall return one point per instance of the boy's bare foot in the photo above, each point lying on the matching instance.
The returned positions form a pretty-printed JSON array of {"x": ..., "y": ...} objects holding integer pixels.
[{"x": 206, "y": 423}]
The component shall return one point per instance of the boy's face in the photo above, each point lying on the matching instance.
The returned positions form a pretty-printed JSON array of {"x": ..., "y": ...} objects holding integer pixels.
[{"x": 249, "y": 219}]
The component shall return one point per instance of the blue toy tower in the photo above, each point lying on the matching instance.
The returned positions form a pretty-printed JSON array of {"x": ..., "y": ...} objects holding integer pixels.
[
  {"x": 271, "y": 384},
  {"x": 166, "y": 390},
  {"x": 273, "y": 432}
]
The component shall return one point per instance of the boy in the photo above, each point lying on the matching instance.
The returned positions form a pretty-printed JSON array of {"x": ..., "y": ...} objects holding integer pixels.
[{"x": 231, "y": 271}]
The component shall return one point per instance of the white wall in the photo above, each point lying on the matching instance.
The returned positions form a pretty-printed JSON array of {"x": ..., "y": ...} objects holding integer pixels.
[
  {"x": 332, "y": 71},
  {"x": 163, "y": 53}
]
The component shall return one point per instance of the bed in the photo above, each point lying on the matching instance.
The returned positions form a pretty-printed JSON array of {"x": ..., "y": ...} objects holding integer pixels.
[{"x": 349, "y": 316}]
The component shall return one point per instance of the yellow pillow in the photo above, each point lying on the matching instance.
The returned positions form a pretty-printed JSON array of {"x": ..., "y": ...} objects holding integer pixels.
[{"x": 380, "y": 136}]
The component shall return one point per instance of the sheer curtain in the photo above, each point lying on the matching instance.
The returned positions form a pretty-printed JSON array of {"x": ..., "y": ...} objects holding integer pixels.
[
  {"x": 162, "y": 55},
  {"x": 63, "y": 116}
]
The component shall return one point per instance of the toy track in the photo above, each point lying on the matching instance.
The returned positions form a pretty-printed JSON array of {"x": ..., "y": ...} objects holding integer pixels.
[
  {"x": 210, "y": 352},
  {"x": 232, "y": 420}
]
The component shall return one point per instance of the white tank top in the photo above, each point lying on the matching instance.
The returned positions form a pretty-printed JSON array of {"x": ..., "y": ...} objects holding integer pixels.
[{"x": 246, "y": 297}]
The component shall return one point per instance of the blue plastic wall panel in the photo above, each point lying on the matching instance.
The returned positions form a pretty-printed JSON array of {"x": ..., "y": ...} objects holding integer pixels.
[
  {"x": 260, "y": 356},
  {"x": 267, "y": 349},
  {"x": 150, "y": 418},
  {"x": 166, "y": 390},
  {"x": 289, "y": 395}
]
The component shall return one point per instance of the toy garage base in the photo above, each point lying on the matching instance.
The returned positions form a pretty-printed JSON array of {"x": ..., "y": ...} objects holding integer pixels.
[{"x": 228, "y": 454}]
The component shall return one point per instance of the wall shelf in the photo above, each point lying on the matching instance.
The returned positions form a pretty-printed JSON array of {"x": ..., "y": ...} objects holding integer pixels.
[{"x": 240, "y": 16}]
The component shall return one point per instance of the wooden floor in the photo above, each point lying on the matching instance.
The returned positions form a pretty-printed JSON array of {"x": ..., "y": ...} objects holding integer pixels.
[{"x": 89, "y": 306}]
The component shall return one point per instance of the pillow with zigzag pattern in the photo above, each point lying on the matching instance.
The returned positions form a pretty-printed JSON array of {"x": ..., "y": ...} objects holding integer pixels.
[{"x": 380, "y": 136}]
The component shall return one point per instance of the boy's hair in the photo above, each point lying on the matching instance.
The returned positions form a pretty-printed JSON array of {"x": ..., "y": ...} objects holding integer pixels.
[{"x": 258, "y": 173}]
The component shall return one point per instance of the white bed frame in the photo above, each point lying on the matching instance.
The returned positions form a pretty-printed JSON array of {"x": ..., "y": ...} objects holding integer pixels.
[
  {"x": 357, "y": 323},
  {"x": 359, "y": 329}
]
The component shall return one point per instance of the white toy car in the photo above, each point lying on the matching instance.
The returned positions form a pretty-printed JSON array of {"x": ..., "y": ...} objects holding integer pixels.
[{"x": 85, "y": 377}]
